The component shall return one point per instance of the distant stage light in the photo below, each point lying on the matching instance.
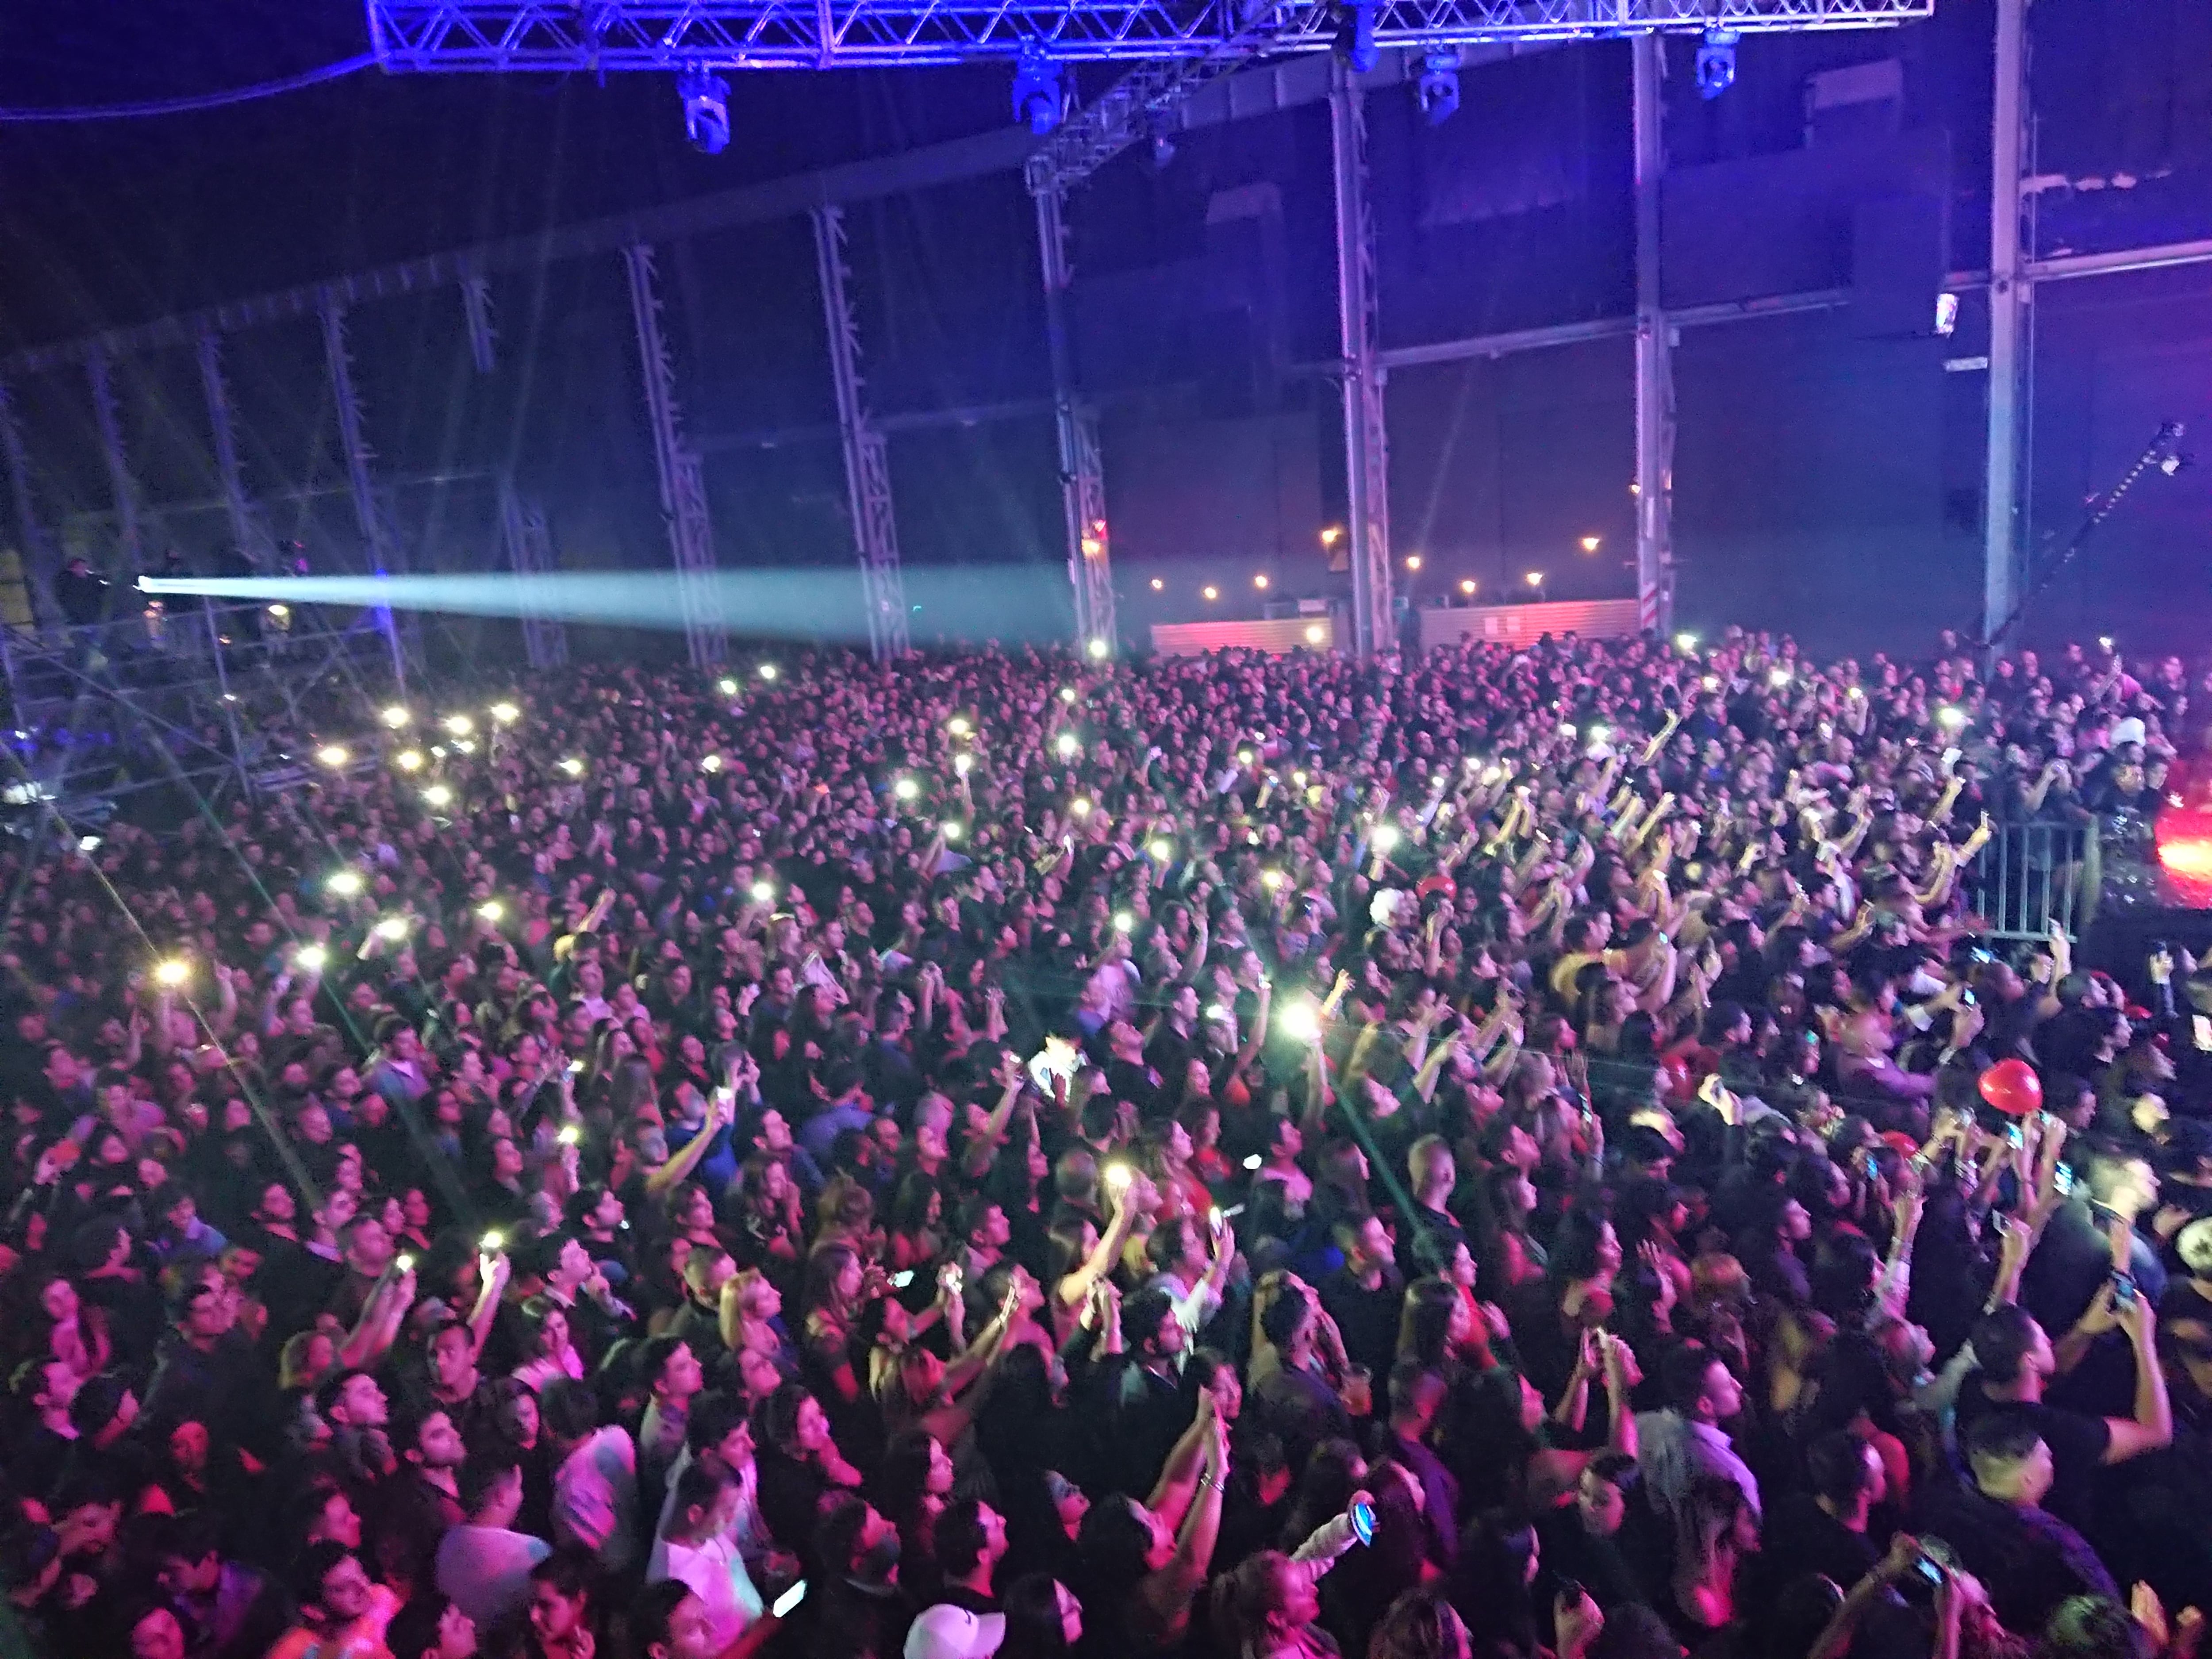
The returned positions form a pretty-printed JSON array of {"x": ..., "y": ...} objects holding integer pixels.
[
  {"x": 706, "y": 99},
  {"x": 1717, "y": 63},
  {"x": 1315, "y": 633},
  {"x": 1039, "y": 95},
  {"x": 1437, "y": 90}
]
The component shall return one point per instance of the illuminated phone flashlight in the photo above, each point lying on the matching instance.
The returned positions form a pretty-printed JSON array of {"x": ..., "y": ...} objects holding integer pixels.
[
  {"x": 391, "y": 927},
  {"x": 1386, "y": 838},
  {"x": 1117, "y": 1177},
  {"x": 1777, "y": 677},
  {"x": 1300, "y": 1021},
  {"x": 1067, "y": 743},
  {"x": 1950, "y": 719},
  {"x": 569, "y": 1136},
  {"x": 958, "y": 727},
  {"x": 459, "y": 725},
  {"x": 506, "y": 714},
  {"x": 438, "y": 795},
  {"x": 1243, "y": 757},
  {"x": 726, "y": 686},
  {"x": 1253, "y": 1161},
  {"x": 310, "y": 958},
  {"x": 396, "y": 716},
  {"x": 1080, "y": 806},
  {"x": 1098, "y": 649},
  {"x": 1685, "y": 642},
  {"x": 333, "y": 755},
  {"x": 491, "y": 910},
  {"x": 466, "y": 746},
  {"x": 1271, "y": 880},
  {"x": 901, "y": 1280},
  {"x": 573, "y": 767},
  {"x": 492, "y": 1243},
  {"x": 409, "y": 760},
  {"x": 710, "y": 763},
  {"x": 1067, "y": 694},
  {"x": 960, "y": 763},
  {"x": 1213, "y": 1216},
  {"x": 952, "y": 829},
  {"x": 1299, "y": 779},
  {"x": 172, "y": 973},
  {"x": 1711, "y": 682},
  {"x": 1162, "y": 850},
  {"x": 768, "y": 671},
  {"x": 906, "y": 789},
  {"x": 403, "y": 1263},
  {"x": 763, "y": 892},
  {"x": 346, "y": 884},
  {"x": 1124, "y": 922}
]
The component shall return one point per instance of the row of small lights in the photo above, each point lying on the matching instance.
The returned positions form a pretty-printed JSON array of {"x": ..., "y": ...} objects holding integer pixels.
[{"x": 1468, "y": 585}]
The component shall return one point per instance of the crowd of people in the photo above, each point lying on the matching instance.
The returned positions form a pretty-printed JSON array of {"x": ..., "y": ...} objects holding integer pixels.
[{"x": 1502, "y": 1152}]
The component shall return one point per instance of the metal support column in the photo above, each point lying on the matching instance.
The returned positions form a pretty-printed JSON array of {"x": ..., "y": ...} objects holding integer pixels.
[
  {"x": 123, "y": 489},
  {"x": 380, "y": 547},
  {"x": 483, "y": 337},
  {"x": 2010, "y": 297},
  {"x": 40, "y": 566},
  {"x": 1366, "y": 438},
  {"x": 682, "y": 484},
  {"x": 1082, "y": 472},
  {"x": 244, "y": 534},
  {"x": 1655, "y": 354},
  {"x": 867, "y": 458},
  {"x": 530, "y": 554}
]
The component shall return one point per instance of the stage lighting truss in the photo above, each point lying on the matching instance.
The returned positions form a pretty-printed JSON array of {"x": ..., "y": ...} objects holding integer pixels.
[{"x": 607, "y": 36}]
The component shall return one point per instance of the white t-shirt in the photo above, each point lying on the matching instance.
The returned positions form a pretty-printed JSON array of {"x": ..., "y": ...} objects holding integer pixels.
[{"x": 715, "y": 1573}]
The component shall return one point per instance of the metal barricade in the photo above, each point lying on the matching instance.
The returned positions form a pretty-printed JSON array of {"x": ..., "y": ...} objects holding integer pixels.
[{"x": 2031, "y": 875}]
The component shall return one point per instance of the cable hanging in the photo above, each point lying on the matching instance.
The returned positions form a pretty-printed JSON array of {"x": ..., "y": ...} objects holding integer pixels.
[{"x": 186, "y": 106}]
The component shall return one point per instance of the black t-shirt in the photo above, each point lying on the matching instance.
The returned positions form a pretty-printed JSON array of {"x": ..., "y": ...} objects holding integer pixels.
[
  {"x": 2077, "y": 1449},
  {"x": 1367, "y": 1319}
]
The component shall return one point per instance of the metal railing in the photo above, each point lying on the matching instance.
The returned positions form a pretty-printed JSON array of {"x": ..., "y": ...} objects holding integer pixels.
[{"x": 2031, "y": 875}]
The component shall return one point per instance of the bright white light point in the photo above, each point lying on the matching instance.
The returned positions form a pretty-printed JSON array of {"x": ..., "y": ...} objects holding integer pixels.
[
  {"x": 391, "y": 927},
  {"x": 346, "y": 884},
  {"x": 1067, "y": 694},
  {"x": 958, "y": 727},
  {"x": 768, "y": 671},
  {"x": 1098, "y": 649},
  {"x": 333, "y": 755},
  {"x": 459, "y": 725},
  {"x": 960, "y": 763},
  {"x": 711, "y": 764},
  {"x": 1066, "y": 744},
  {"x": 438, "y": 795},
  {"x": 1124, "y": 922},
  {"x": 1271, "y": 879},
  {"x": 1081, "y": 807},
  {"x": 172, "y": 973},
  {"x": 1685, "y": 642},
  {"x": 505, "y": 712},
  {"x": 952, "y": 830},
  {"x": 395, "y": 717},
  {"x": 310, "y": 958},
  {"x": 726, "y": 686},
  {"x": 1161, "y": 850},
  {"x": 491, "y": 910},
  {"x": 573, "y": 767},
  {"x": 906, "y": 789},
  {"x": 1386, "y": 838},
  {"x": 763, "y": 891},
  {"x": 1777, "y": 677},
  {"x": 1300, "y": 1021}
]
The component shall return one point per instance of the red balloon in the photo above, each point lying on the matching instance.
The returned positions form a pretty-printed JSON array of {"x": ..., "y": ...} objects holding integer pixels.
[
  {"x": 2012, "y": 1086},
  {"x": 1437, "y": 884}
]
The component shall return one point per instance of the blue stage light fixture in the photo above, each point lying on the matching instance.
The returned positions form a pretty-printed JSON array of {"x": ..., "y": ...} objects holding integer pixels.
[
  {"x": 1438, "y": 87},
  {"x": 1355, "y": 39},
  {"x": 1717, "y": 63},
  {"x": 706, "y": 98},
  {"x": 1039, "y": 95}
]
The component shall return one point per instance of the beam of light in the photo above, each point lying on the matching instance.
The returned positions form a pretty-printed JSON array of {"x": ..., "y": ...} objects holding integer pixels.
[{"x": 971, "y": 603}]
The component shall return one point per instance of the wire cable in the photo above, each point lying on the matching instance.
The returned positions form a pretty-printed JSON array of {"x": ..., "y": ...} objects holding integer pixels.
[{"x": 344, "y": 66}]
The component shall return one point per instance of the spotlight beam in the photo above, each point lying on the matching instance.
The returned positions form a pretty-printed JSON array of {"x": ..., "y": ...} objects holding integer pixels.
[{"x": 969, "y": 604}]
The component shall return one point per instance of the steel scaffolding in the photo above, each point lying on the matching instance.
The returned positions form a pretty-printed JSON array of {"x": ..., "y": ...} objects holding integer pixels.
[
  {"x": 530, "y": 554},
  {"x": 1655, "y": 353},
  {"x": 610, "y": 36},
  {"x": 867, "y": 458},
  {"x": 1366, "y": 433},
  {"x": 683, "y": 485},
  {"x": 1075, "y": 425},
  {"x": 121, "y": 485},
  {"x": 483, "y": 333},
  {"x": 246, "y": 533},
  {"x": 383, "y": 548}
]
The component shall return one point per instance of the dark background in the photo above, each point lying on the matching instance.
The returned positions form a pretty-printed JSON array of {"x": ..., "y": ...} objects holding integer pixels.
[{"x": 1828, "y": 471}]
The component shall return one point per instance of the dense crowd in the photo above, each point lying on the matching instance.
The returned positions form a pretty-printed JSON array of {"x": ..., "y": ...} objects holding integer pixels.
[{"x": 1506, "y": 1153}]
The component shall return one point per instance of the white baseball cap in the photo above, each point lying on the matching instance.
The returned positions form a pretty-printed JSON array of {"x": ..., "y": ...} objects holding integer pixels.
[
  {"x": 945, "y": 1631},
  {"x": 2130, "y": 730}
]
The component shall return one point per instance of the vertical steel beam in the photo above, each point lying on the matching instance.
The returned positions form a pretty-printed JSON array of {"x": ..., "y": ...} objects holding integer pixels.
[
  {"x": 2010, "y": 298},
  {"x": 40, "y": 566},
  {"x": 867, "y": 458},
  {"x": 245, "y": 535},
  {"x": 1366, "y": 437},
  {"x": 1654, "y": 355},
  {"x": 683, "y": 483},
  {"x": 122, "y": 486},
  {"x": 1075, "y": 424},
  {"x": 530, "y": 554},
  {"x": 483, "y": 336},
  {"x": 379, "y": 546}
]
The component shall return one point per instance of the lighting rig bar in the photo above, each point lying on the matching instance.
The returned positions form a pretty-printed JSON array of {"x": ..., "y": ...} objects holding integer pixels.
[{"x": 610, "y": 36}]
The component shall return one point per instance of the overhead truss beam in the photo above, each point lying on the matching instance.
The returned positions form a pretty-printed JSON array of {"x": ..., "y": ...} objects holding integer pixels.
[
  {"x": 682, "y": 481},
  {"x": 610, "y": 36}
]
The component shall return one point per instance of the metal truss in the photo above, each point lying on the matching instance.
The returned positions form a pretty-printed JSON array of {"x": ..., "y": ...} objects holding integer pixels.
[
  {"x": 108, "y": 416},
  {"x": 246, "y": 531},
  {"x": 867, "y": 458},
  {"x": 530, "y": 554},
  {"x": 382, "y": 548},
  {"x": 36, "y": 546},
  {"x": 1366, "y": 436},
  {"x": 1145, "y": 101},
  {"x": 483, "y": 333},
  {"x": 1654, "y": 356},
  {"x": 1082, "y": 472},
  {"x": 610, "y": 36},
  {"x": 683, "y": 483}
]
